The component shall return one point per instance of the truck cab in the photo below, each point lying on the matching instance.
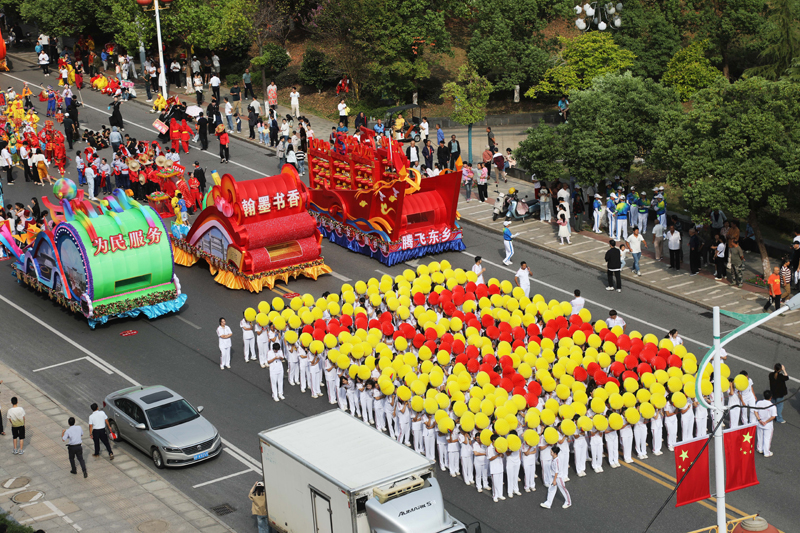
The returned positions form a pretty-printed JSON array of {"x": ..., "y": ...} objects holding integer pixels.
[{"x": 416, "y": 509}]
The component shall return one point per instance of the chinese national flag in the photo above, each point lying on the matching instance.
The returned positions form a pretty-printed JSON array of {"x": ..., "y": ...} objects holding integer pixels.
[
  {"x": 740, "y": 458},
  {"x": 695, "y": 486}
]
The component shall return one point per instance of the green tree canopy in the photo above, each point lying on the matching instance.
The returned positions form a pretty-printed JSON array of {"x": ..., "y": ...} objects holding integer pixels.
[
  {"x": 648, "y": 33},
  {"x": 689, "y": 70},
  {"x": 273, "y": 59},
  {"x": 783, "y": 38},
  {"x": 738, "y": 150},
  {"x": 613, "y": 121},
  {"x": 470, "y": 96},
  {"x": 582, "y": 59},
  {"x": 542, "y": 151}
]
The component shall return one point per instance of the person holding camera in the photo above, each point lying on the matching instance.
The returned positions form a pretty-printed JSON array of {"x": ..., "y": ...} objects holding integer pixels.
[{"x": 259, "y": 498}]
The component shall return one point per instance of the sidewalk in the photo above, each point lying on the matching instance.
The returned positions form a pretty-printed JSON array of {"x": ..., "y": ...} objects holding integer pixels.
[
  {"x": 37, "y": 490},
  {"x": 588, "y": 248}
]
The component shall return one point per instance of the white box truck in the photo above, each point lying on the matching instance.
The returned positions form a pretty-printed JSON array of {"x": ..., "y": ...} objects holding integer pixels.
[{"x": 331, "y": 473}]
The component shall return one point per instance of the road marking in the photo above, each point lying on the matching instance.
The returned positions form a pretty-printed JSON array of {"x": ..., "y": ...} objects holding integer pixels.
[
  {"x": 680, "y": 285},
  {"x": 14, "y": 490},
  {"x": 590, "y": 250},
  {"x": 195, "y": 326},
  {"x": 59, "y": 364},
  {"x": 381, "y": 272},
  {"x": 340, "y": 277},
  {"x": 223, "y": 478},
  {"x": 715, "y": 297},
  {"x": 630, "y": 317},
  {"x": 651, "y": 272},
  {"x": 484, "y": 218},
  {"x": 701, "y": 290},
  {"x": 793, "y": 323},
  {"x": 586, "y": 241}
]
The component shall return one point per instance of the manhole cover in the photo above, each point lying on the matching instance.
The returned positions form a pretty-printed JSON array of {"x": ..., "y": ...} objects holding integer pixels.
[
  {"x": 28, "y": 496},
  {"x": 15, "y": 482},
  {"x": 223, "y": 509},
  {"x": 153, "y": 526}
]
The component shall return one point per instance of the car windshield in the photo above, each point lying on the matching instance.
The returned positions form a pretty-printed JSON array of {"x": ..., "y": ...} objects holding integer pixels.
[{"x": 171, "y": 414}]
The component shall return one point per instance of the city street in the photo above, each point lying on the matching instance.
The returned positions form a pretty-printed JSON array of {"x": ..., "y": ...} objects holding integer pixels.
[{"x": 77, "y": 366}]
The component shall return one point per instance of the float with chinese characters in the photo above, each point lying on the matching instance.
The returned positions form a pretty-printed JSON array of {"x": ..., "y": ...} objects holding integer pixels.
[
  {"x": 254, "y": 233},
  {"x": 107, "y": 259},
  {"x": 366, "y": 198}
]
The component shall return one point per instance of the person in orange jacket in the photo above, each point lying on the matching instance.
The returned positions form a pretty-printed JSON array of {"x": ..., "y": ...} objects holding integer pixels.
[
  {"x": 774, "y": 289},
  {"x": 186, "y": 134},
  {"x": 175, "y": 135},
  {"x": 224, "y": 141}
]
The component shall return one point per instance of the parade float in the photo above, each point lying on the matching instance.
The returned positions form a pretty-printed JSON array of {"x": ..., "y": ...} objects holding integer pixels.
[
  {"x": 255, "y": 233},
  {"x": 105, "y": 260},
  {"x": 366, "y": 197}
]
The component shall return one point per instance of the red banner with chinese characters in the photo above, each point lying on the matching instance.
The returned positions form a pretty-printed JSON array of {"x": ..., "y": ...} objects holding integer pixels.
[{"x": 136, "y": 239}]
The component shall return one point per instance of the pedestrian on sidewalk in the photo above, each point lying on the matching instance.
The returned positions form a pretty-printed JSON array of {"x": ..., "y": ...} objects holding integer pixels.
[
  {"x": 578, "y": 210},
  {"x": 674, "y": 245},
  {"x": 443, "y": 155},
  {"x": 786, "y": 279},
  {"x": 224, "y": 333},
  {"x": 611, "y": 212},
  {"x": 343, "y": 110},
  {"x": 236, "y": 97},
  {"x": 98, "y": 423},
  {"x": 719, "y": 258},
  {"x": 455, "y": 152},
  {"x": 214, "y": 82},
  {"x": 509, "y": 246},
  {"x": 695, "y": 244},
  {"x": 597, "y": 212},
  {"x": 614, "y": 266},
  {"x": 736, "y": 255},
  {"x": 774, "y": 289},
  {"x": 259, "y": 509},
  {"x": 16, "y": 418},
  {"x": 272, "y": 95},
  {"x": 224, "y": 143},
  {"x": 73, "y": 436},
  {"x": 545, "y": 205},
  {"x": 635, "y": 243},
  {"x": 794, "y": 264},
  {"x": 483, "y": 184},
  {"x": 563, "y": 224},
  {"x": 248, "y": 85}
]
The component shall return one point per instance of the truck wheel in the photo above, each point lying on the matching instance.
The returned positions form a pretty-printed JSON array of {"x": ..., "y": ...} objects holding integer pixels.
[{"x": 158, "y": 460}]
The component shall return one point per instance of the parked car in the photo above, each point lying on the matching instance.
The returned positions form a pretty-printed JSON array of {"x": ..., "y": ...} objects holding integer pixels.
[{"x": 162, "y": 424}]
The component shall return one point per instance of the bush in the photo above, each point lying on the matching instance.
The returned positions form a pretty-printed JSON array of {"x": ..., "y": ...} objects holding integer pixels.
[
  {"x": 232, "y": 79},
  {"x": 13, "y": 526},
  {"x": 316, "y": 70},
  {"x": 288, "y": 78},
  {"x": 273, "y": 60},
  {"x": 689, "y": 70}
]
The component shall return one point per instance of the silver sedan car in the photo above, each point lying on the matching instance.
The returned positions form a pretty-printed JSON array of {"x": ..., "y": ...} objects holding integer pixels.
[{"x": 162, "y": 424}]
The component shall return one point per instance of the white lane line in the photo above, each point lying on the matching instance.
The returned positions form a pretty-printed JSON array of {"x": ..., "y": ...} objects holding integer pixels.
[
  {"x": 793, "y": 323},
  {"x": 630, "y": 317},
  {"x": 590, "y": 250},
  {"x": 14, "y": 490},
  {"x": 244, "y": 460},
  {"x": 223, "y": 478},
  {"x": 484, "y": 218},
  {"x": 195, "y": 326},
  {"x": 701, "y": 290},
  {"x": 340, "y": 277},
  {"x": 651, "y": 272},
  {"x": 59, "y": 364},
  {"x": 70, "y": 341},
  {"x": 586, "y": 241},
  {"x": 382, "y": 273},
  {"x": 751, "y": 298},
  {"x": 680, "y": 285},
  {"x": 147, "y": 128},
  {"x": 9, "y": 482},
  {"x": 100, "y": 366},
  {"x": 715, "y": 297},
  {"x": 668, "y": 277}
]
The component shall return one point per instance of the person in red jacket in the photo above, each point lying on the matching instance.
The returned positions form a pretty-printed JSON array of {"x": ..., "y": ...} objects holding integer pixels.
[
  {"x": 224, "y": 141},
  {"x": 175, "y": 135},
  {"x": 186, "y": 134}
]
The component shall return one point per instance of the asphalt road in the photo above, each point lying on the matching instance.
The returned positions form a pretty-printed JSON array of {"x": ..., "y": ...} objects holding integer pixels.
[{"x": 180, "y": 351}]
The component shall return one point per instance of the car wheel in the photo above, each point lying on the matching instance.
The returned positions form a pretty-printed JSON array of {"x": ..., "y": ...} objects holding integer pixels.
[
  {"x": 157, "y": 459},
  {"x": 416, "y": 138},
  {"x": 494, "y": 217},
  {"x": 115, "y": 431}
]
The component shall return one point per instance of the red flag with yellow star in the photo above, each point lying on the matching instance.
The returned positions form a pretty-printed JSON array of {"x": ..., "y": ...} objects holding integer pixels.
[
  {"x": 695, "y": 485},
  {"x": 740, "y": 458}
]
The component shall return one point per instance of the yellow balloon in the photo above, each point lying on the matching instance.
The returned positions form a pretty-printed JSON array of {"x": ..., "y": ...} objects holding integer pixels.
[
  {"x": 615, "y": 421},
  {"x": 679, "y": 400},
  {"x": 249, "y": 314},
  {"x": 600, "y": 422},
  {"x": 568, "y": 427},
  {"x": 531, "y": 437},
  {"x": 647, "y": 410},
  {"x": 551, "y": 436},
  {"x": 741, "y": 382},
  {"x": 632, "y": 415}
]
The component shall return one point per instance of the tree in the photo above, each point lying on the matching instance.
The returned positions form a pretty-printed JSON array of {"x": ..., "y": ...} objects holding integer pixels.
[
  {"x": 542, "y": 151},
  {"x": 612, "y": 122},
  {"x": 729, "y": 25},
  {"x": 689, "y": 70},
  {"x": 315, "y": 70},
  {"x": 648, "y": 33},
  {"x": 783, "y": 36},
  {"x": 583, "y": 59},
  {"x": 470, "y": 95},
  {"x": 736, "y": 150},
  {"x": 512, "y": 30},
  {"x": 273, "y": 60}
]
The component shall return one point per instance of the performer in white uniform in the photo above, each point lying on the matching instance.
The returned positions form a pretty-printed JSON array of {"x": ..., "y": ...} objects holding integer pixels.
[
  {"x": 249, "y": 340},
  {"x": 765, "y": 415},
  {"x": 224, "y": 333},
  {"x": 554, "y": 482},
  {"x": 275, "y": 362}
]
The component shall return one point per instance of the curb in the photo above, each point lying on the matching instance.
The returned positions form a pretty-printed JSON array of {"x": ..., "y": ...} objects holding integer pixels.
[
  {"x": 133, "y": 458},
  {"x": 630, "y": 279}
]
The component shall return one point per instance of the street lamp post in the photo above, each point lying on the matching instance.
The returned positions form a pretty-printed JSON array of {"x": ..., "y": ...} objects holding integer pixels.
[
  {"x": 749, "y": 322},
  {"x": 598, "y": 16},
  {"x": 162, "y": 76}
]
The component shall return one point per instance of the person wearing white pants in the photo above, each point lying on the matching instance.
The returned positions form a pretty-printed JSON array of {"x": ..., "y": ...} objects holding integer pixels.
[
  {"x": 671, "y": 421},
  {"x": 580, "y": 447},
  {"x": 305, "y": 372},
  {"x": 596, "y": 442},
  {"x": 529, "y": 454},
  {"x": 479, "y": 454},
  {"x": 611, "y": 206},
  {"x": 612, "y": 447},
  {"x": 509, "y": 246},
  {"x": 275, "y": 362},
  {"x": 316, "y": 375},
  {"x": 496, "y": 470},
  {"x": 341, "y": 395},
  {"x": 687, "y": 421},
  {"x": 640, "y": 434},
  {"x": 293, "y": 358},
  {"x": 734, "y": 410},
  {"x": 765, "y": 414},
  {"x": 249, "y": 340},
  {"x": 657, "y": 431},
  {"x": 747, "y": 398},
  {"x": 352, "y": 398},
  {"x": 262, "y": 343},
  {"x": 404, "y": 416},
  {"x": 626, "y": 435},
  {"x": 441, "y": 447},
  {"x": 365, "y": 395},
  {"x": 224, "y": 333},
  {"x": 429, "y": 436},
  {"x": 465, "y": 444},
  {"x": 416, "y": 431},
  {"x": 555, "y": 483},
  {"x": 331, "y": 378},
  {"x": 378, "y": 404},
  {"x": 513, "y": 463},
  {"x": 453, "y": 454},
  {"x": 597, "y": 213},
  {"x": 701, "y": 418},
  {"x": 563, "y": 458}
]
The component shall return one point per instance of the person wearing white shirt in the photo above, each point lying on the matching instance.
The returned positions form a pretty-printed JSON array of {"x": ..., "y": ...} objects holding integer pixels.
[
  {"x": 294, "y": 101},
  {"x": 249, "y": 338},
  {"x": 513, "y": 464},
  {"x": 766, "y": 413},
  {"x": 7, "y": 163},
  {"x": 674, "y": 244},
  {"x": 674, "y": 337},
  {"x": 305, "y": 370},
  {"x": 293, "y": 358},
  {"x": 275, "y": 362},
  {"x": 229, "y": 114},
  {"x": 467, "y": 470},
  {"x": 73, "y": 436},
  {"x": 214, "y": 83},
  {"x": 332, "y": 384},
  {"x": 316, "y": 375},
  {"x": 424, "y": 129},
  {"x": 555, "y": 482},
  {"x": 479, "y": 460},
  {"x": 342, "y": 107},
  {"x": 615, "y": 320},
  {"x": 748, "y": 399},
  {"x": 496, "y": 470},
  {"x": 262, "y": 342},
  {"x": 658, "y": 240},
  {"x": 578, "y": 302},
  {"x": 522, "y": 278},
  {"x": 635, "y": 242},
  {"x": 98, "y": 422},
  {"x": 44, "y": 62},
  {"x": 256, "y": 105},
  {"x": 478, "y": 269},
  {"x": 224, "y": 333}
]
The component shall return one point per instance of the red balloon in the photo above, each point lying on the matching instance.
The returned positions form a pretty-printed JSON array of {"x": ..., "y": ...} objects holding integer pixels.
[
  {"x": 519, "y": 333},
  {"x": 487, "y": 320},
  {"x": 432, "y": 346},
  {"x": 431, "y": 334},
  {"x": 494, "y": 379},
  {"x": 433, "y": 298},
  {"x": 576, "y": 320},
  {"x": 629, "y": 374},
  {"x": 517, "y": 379},
  {"x": 408, "y": 330},
  {"x": 308, "y": 329},
  {"x": 320, "y": 324},
  {"x": 491, "y": 359},
  {"x": 474, "y": 324},
  {"x": 471, "y": 286},
  {"x": 674, "y": 361},
  {"x": 535, "y": 389},
  {"x": 447, "y": 347},
  {"x": 624, "y": 342},
  {"x": 659, "y": 363},
  {"x": 580, "y": 374},
  {"x": 419, "y": 340},
  {"x": 449, "y": 309},
  {"x": 472, "y": 352},
  {"x": 459, "y": 314},
  {"x": 397, "y": 334},
  {"x": 506, "y": 336},
  {"x": 603, "y": 333},
  {"x": 616, "y": 368},
  {"x": 631, "y": 362},
  {"x": 387, "y": 329},
  {"x": 533, "y": 330},
  {"x": 519, "y": 390},
  {"x": 613, "y": 380},
  {"x": 361, "y": 322},
  {"x": 504, "y": 327},
  {"x": 486, "y": 367},
  {"x": 549, "y": 333},
  {"x": 506, "y": 360},
  {"x": 458, "y": 299},
  {"x": 563, "y": 333},
  {"x": 494, "y": 289},
  {"x": 643, "y": 369},
  {"x": 319, "y": 334},
  {"x": 481, "y": 291},
  {"x": 610, "y": 337},
  {"x": 592, "y": 367},
  {"x": 517, "y": 344},
  {"x": 561, "y": 322},
  {"x": 462, "y": 358},
  {"x": 374, "y": 323},
  {"x": 473, "y": 366},
  {"x": 492, "y": 332},
  {"x": 347, "y": 321},
  {"x": 419, "y": 298},
  {"x": 637, "y": 342},
  {"x": 458, "y": 346},
  {"x": 532, "y": 399},
  {"x": 507, "y": 384},
  {"x": 334, "y": 329},
  {"x": 446, "y": 294},
  {"x": 600, "y": 377}
]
